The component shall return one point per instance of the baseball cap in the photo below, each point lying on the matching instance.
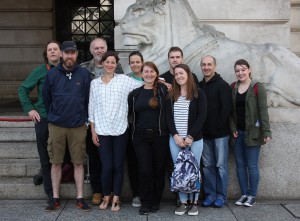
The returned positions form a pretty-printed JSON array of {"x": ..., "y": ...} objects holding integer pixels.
[{"x": 69, "y": 46}]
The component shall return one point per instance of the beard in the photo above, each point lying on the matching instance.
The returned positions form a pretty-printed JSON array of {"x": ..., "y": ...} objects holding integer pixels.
[
  {"x": 69, "y": 63},
  {"x": 97, "y": 58}
]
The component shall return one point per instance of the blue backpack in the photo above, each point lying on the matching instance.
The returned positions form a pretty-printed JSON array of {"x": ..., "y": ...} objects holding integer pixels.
[{"x": 186, "y": 177}]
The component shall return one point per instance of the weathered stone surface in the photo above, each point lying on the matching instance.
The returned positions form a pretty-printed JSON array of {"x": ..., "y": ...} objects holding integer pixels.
[
  {"x": 236, "y": 9},
  {"x": 19, "y": 167},
  {"x": 26, "y": 4},
  {"x": 26, "y": 19},
  {"x": 25, "y": 37},
  {"x": 18, "y": 150},
  {"x": 261, "y": 212},
  {"x": 30, "y": 210},
  {"x": 17, "y": 134},
  {"x": 155, "y": 27},
  {"x": 23, "y": 188},
  {"x": 293, "y": 208},
  {"x": 22, "y": 54}
]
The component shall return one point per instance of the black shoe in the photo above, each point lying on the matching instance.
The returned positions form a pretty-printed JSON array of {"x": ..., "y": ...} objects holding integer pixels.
[
  {"x": 54, "y": 204},
  {"x": 81, "y": 204},
  {"x": 38, "y": 179},
  {"x": 154, "y": 209},
  {"x": 144, "y": 210}
]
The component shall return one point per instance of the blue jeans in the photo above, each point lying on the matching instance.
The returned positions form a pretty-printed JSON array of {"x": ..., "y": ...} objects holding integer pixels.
[
  {"x": 196, "y": 148},
  {"x": 215, "y": 168},
  {"x": 246, "y": 160}
]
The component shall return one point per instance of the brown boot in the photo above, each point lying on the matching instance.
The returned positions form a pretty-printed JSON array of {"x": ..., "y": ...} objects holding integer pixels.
[{"x": 97, "y": 198}]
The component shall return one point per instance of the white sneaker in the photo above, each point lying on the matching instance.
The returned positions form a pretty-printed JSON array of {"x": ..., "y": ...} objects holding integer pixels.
[
  {"x": 136, "y": 202},
  {"x": 182, "y": 209},
  {"x": 241, "y": 201},
  {"x": 250, "y": 201},
  {"x": 193, "y": 210}
]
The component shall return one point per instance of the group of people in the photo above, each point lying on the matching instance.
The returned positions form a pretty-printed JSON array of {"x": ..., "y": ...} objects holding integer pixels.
[{"x": 95, "y": 109}]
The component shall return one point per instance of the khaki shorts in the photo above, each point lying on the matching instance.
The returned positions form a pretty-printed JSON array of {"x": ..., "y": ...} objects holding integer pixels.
[{"x": 58, "y": 139}]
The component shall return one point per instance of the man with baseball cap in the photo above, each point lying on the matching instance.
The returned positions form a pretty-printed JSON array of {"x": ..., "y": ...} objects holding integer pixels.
[{"x": 66, "y": 96}]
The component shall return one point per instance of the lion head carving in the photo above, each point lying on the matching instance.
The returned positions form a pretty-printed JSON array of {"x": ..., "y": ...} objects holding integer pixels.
[{"x": 155, "y": 26}]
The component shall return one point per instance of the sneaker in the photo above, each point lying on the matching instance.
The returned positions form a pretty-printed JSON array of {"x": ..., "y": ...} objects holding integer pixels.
[
  {"x": 182, "y": 209},
  {"x": 241, "y": 200},
  {"x": 96, "y": 200},
  {"x": 250, "y": 201},
  {"x": 219, "y": 203},
  {"x": 154, "y": 209},
  {"x": 81, "y": 204},
  {"x": 193, "y": 210},
  {"x": 136, "y": 202},
  {"x": 54, "y": 204},
  {"x": 207, "y": 202},
  {"x": 144, "y": 210}
]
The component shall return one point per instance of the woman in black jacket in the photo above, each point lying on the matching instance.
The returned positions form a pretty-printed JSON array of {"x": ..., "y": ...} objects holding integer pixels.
[
  {"x": 150, "y": 137},
  {"x": 186, "y": 113}
]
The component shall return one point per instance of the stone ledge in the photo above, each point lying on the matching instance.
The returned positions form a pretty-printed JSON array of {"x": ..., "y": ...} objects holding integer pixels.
[
  {"x": 18, "y": 150},
  {"x": 284, "y": 115}
]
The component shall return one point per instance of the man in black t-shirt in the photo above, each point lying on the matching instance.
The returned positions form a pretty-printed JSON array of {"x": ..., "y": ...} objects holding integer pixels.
[{"x": 175, "y": 57}]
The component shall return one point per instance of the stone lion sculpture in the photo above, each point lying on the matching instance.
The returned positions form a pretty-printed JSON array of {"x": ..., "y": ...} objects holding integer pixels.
[{"x": 155, "y": 26}]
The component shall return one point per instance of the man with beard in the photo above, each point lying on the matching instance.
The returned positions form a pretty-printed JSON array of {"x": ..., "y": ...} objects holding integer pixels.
[
  {"x": 97, "y": 48},
  {"x": 66, "y": 96}
]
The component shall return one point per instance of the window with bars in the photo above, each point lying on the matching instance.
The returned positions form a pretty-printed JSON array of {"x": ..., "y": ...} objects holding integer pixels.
[{"x": 82, "y": 21}]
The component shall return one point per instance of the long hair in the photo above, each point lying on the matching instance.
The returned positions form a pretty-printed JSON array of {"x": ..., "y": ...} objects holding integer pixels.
[
  {"x": 45, "y": 49},
  {"x": 191, "y": 85},
  {"x": 153, "y": 102},
  {"x": 243, "y": 62}
]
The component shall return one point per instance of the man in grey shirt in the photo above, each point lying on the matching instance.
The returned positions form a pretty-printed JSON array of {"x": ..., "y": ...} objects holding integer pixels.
[{"x": 97, "y": 48}]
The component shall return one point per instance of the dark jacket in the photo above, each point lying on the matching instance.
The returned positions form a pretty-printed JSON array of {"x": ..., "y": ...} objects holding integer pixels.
[
  {"x": 256, "y": 115},
  {"x": 132, "y": 97},
  {"x": 66, "y": 100},
  {"x": 219, "y": 104},
  {"x": 197, "y": 115}
]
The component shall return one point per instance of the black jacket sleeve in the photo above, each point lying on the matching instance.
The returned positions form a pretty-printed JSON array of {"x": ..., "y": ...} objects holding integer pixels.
[
  {"x": 225, "y": 105},
  {"x": 197, "y": 125},
  {"x": 170, "y": 117}
]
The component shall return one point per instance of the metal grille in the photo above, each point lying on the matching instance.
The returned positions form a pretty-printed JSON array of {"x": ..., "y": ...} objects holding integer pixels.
[{"x": 87, "y": 20}]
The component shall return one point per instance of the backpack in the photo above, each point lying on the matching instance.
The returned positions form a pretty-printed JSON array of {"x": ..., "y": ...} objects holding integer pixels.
[
  {"x": 186, "y": 177},
  {"x": 255, "y": 88}
]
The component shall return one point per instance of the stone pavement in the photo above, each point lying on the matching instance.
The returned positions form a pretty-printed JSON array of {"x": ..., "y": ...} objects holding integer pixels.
[{"x": 264, "y": 210}]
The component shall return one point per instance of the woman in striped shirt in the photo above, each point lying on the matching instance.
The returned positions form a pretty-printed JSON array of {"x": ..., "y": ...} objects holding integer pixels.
[{"x": 186, "y": 112}]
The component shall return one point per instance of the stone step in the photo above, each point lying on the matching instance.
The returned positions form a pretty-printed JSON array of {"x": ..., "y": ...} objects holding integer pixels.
[
  {"x": 23, "y": 188},
  {"x": 19, "y": 167},
  {"x": 18, "y": 150},
  {"x": 16, "y": 122},
  {"x": 17, "y": 134}
]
